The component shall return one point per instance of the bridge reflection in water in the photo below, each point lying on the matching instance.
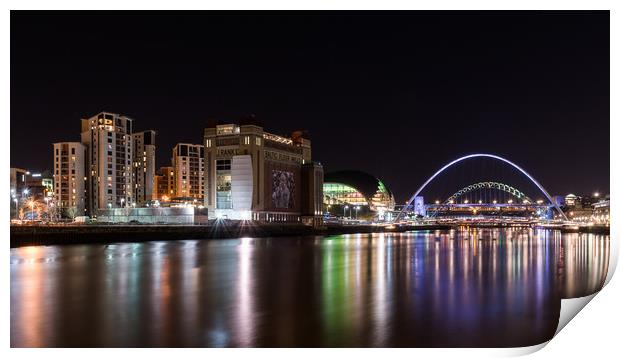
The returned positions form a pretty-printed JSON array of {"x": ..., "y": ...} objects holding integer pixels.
[{"x": 478, "y": 287}]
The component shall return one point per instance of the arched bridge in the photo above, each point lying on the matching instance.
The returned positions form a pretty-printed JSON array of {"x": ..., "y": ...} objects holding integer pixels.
[
  {"x": 493, "y": 185},
  {"x": 489, "y": 185}
]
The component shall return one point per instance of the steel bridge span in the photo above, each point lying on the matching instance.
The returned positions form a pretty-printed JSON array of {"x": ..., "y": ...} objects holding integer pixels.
[{"x": 522, "y": 202}]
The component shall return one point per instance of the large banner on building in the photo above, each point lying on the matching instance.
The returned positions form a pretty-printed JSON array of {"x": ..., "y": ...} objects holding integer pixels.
[{"x": 283, "y": 189}]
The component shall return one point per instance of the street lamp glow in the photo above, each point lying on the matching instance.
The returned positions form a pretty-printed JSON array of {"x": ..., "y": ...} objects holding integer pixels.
[
  {"x": 494, "y": 201},
  {"x": 510, "y": 201},
  {"x": 26, "y": 191},
  {"x": 596, "y": 194},
  {"x": 466, "y": 201},
  {"x": 437, "y": 202}
]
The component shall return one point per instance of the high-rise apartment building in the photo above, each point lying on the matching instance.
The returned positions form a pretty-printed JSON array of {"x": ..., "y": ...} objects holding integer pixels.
[
  {"x": 143, "y": 166},
  {"x": 164, "y": 184},
  {"x": 69, "y": 177},
  {"x": 188, "y": 164},
  {"x": 109, "y": 157}
]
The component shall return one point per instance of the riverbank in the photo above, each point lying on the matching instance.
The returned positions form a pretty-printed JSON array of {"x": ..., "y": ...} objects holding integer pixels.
[
  {"x": 27, "y": 235},
  {"x": 90, "y": 234}
]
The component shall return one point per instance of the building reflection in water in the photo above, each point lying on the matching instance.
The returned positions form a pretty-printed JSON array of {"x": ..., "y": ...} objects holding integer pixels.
[{"x": 465, "y": 287}]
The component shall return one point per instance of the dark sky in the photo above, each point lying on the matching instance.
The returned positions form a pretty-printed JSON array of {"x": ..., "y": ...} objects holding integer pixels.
[{"x": 396, "y": 94}]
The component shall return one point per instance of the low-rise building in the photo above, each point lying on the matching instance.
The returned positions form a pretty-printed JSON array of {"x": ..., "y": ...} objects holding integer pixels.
[{"x": 601, "y": 213}]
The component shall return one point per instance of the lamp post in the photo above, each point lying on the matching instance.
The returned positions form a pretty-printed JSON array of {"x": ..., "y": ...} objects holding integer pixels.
[
  {"x": 345, "y": 210},
  {"x": 356, "y": 209},
  {"x": 16, "y": 207}
]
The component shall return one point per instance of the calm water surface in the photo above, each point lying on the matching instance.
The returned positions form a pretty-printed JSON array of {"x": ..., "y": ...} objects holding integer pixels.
[{"x": 477, "y": 287}]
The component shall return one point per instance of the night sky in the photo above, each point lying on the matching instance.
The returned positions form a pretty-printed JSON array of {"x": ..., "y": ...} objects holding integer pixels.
[{"x": 395, "y": 94}]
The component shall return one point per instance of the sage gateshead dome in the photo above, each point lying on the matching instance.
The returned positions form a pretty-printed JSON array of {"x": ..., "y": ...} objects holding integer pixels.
[{"x": 356, "y": 188}]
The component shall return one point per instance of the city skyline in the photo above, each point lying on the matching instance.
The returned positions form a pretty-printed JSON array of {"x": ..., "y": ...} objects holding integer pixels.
[{"x": 535, "y": 89}]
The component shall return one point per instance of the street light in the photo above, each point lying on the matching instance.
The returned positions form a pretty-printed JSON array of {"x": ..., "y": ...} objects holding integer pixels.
[
  {"x": 16, "y": 208},
  {"x": 356, "y": 209},
  {"x": 346, "y": 207}
]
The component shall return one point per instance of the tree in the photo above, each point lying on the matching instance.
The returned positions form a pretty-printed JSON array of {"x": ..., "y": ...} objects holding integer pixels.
[{"x": 72, "y": 212}]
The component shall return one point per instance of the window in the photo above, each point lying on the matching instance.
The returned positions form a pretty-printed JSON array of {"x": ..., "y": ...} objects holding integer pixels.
[
  {"x": 223, "y": 184},
  {"x": 73, "y": 151}
]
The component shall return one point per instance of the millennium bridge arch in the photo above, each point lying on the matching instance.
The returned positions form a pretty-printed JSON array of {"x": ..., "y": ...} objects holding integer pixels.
[
  {"x": 484, "y": 155},
  {"x": 489, "y": 185}
]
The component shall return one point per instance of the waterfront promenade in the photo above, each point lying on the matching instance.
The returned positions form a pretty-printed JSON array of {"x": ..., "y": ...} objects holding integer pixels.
[{"x": 26, "y": 235}]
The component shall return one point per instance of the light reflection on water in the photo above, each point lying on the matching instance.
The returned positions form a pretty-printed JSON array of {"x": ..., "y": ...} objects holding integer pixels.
[{"x": 472, "y": 287}]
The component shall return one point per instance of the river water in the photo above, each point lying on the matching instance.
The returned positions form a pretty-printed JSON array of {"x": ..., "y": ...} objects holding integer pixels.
[{"x": 458, "y": 288}]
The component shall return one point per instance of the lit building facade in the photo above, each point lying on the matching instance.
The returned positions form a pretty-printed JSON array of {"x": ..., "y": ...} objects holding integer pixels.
[
  {"x": 143, "y": 166},
  {"x": 26, "y": 185},
  {"x": 188, "y": 164},
  {"x": 164, "y": 184},
  {"x": 571, "y": 200},
  {"x": 601, "y": 214},
  {"x": 69, "y": 177},
  {"x": 352, "y": 193},
  {"x": 18, "y": 180},
  {"x": 109, "y": 157},
  {"x": 253, "y": 174}
]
